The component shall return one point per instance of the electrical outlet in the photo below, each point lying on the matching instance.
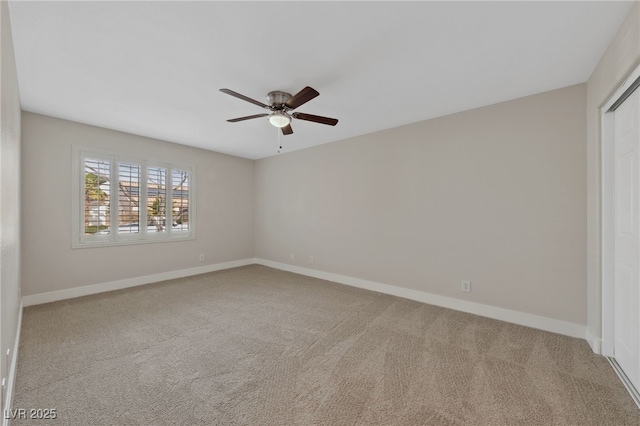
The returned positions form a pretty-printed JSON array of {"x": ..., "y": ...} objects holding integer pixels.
[
  {"x": 466, "y": 286},
  {"x": 310, "y": 259},
  {"x": 293, "y": 257},
  {"x": 201, "y": 257}
]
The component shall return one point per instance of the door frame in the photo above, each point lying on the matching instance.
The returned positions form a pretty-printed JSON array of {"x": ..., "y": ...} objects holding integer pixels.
[{"x": 607, "y": 218}]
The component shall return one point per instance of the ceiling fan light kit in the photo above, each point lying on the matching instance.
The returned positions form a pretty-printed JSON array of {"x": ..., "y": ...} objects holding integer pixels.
[
  {"x": 280, "y": 105},
  {"x": 279, "y": 119}
]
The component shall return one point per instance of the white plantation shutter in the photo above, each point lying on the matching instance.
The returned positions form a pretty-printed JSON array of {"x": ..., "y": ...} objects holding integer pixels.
[
  {"x": 130, "y": 201},
  {"x": 96, "y": 195},
  {"x": 128, "y": 198},
  {"x": 180, "y": 199},
  {"x": 157, "y": 199}
]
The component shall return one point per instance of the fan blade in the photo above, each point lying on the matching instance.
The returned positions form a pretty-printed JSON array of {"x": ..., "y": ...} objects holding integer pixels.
[
  {"x": 302, "y": 97},
  {"x": 243, "y": 97},
  {"x": 287, "y": 130},
  {"x": 315, "y": 118},
  {"x": 248, "y": 117}
]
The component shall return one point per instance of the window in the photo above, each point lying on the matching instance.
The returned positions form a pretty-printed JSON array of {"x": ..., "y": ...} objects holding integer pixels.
[{"x": 121, "y": 200}]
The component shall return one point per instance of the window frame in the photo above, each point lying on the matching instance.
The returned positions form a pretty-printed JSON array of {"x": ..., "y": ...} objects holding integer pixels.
[{"x": 82, "y": 240}]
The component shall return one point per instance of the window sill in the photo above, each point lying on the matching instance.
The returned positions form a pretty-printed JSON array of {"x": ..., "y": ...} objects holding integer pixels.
[{"x": 95, "y": 244}]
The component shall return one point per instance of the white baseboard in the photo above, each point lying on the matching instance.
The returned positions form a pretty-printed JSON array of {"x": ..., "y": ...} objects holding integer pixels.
[
  {"x": 515, "y": 317},
  {"x": 13, "y": 367},
  {"x": 54, "y": 296},
  {"x": 594, "y": 342}
]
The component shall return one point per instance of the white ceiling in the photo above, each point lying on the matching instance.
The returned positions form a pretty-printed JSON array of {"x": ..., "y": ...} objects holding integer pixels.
[{"x": 155, "y": 68}]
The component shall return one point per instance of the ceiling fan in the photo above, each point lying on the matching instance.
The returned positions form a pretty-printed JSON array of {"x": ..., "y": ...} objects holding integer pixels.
[{"x": 280, "y": 105}]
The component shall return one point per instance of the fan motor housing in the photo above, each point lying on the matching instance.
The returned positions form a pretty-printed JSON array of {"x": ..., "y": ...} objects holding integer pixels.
[{"x": 277, "y": 98}]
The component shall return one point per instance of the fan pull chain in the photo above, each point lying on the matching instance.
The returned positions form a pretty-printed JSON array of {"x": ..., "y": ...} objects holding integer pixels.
[{"x": 279, "y": 143}]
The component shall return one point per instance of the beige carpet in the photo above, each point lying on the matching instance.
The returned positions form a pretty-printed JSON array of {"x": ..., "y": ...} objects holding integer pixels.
[{"x": 258, "y": 346}]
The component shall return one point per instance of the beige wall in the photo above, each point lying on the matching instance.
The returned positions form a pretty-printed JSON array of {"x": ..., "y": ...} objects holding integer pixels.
[
  {"x": 621, "y": 57},
  {"x": 9, "y": 192},
  {"x": 224, "y": 205},
  {"x": 495, "y": 195}
]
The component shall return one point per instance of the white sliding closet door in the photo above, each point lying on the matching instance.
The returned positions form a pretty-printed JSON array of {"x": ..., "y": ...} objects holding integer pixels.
[{"x": 627, "y": 237}]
